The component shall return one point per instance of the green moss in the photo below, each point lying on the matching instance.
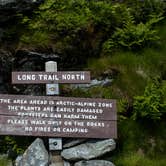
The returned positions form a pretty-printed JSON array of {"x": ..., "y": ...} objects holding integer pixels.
[
  {"x": 140, "y": 144},
  {"x": 135, "y": 159},
  {"x": 131, "y": 77},
  {"x": 4, "y": 161}
]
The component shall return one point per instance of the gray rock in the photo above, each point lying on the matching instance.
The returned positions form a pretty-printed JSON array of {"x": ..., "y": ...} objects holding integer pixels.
[
  {"x": 4, "y": 2},
  {"x": 17, "y": 2},
  {"x": 141, "y": 72},
  {"x": 94, "y": 163},
  {"x": 18, "y": 160},
  {"x": 89, "y": 150},
  {"x": 73, "y": 142},
  {"x": 24, "y": 56},
  {"x": 35, "y": 155},
  {"x": 65, "y": 163},
  {"x": 30, "y": 61},
  {"x": 95, "y": 82}
]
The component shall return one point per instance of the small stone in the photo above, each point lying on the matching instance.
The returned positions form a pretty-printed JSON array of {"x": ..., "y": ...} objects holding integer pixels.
[
  {"x": 94, "y": 163},
  {"x": 65, "y": 163},
  {"x": 93, "y": 83},
  {"x": 35, "y": 155},
  {"x": 89, "y": 150}
]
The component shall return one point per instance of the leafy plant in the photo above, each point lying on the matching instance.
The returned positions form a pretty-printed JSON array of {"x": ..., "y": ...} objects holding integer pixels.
[
  {"x": 14, "y": 145},
  {"x": 135, "y": 159},
  {"x": 74, "y": 28},
  {"x": 133, "y": 35},
  {"x": 151, "y": 105},
  {"x": 144, "y": 10}
]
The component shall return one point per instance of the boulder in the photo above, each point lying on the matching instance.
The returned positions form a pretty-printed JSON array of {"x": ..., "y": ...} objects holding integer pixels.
[
  {"x": 89, "y": 150},
  {"x": 18, "y": 159},
  {"x": 94, "y": 163},
  {"x": 35, "y": 155},
  {"x": 65, "y": 163},
  {"x": 73, "y": 142},
  {"x": 105, "y": 82},
  {"x": 30, "y": 61},
  {"x": 17, "y": 4}
]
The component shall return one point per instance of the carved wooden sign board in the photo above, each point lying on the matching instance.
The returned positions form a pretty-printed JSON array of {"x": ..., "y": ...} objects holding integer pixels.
[
  {"x": 54, "y": 116},
  {"x": 51, "y": 77}
]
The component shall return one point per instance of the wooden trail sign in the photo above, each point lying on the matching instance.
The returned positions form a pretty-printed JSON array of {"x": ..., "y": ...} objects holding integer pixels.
[
  {"x": 51, "y": 77},
  {"x": 57, "y": 116},
  {"x": 11, "y": 125}
]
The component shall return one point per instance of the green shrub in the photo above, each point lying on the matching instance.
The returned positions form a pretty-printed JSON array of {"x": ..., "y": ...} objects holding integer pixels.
[
  {"x": 140, "y": 144},
  {"x": 133, "y": 35},
  {"x": 14, "y": 145},
  {"x": 151, "y": 105},
  {"x": 76, "y": 28},
  {"x": 136, "y": 159},
  {"x": 144, "y": 10}
]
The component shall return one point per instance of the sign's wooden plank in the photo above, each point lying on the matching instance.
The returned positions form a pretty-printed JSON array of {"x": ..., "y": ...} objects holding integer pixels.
[
  {"x": 58, "y": 107},
  {"x": 55, "y": 116},
  {"x": 51, "y": 77},
  {"x": 11, "y": 125},
  {"x": 58, "y": 112}
]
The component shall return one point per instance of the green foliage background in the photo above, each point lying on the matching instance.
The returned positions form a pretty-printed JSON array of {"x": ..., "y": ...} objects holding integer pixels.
[
  {"x": 93, "y": 28},
  {"x": 125, "y": 38}
]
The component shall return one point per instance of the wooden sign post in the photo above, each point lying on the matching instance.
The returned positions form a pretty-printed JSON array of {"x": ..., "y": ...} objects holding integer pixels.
[{"x": 53, "y": 89}]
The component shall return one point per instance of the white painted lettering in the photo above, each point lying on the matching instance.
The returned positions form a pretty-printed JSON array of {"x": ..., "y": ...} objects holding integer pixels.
[
  {"x": 105, "y": 105},
  {"x": 38, "y": 102},
  {"x": 38, "y": 122},
  {"x": 26, "y": 77},
  {"x": 5, "y": 101},
  {"x": 95, "y": 124},
  {"x": 17, "y": 121},
  {"x": 28, "y": 128},
  {"x": 89, "y": 117},
  {"x": 42, "y": 129},
  {"x": 19, "y": 101},
  {"x": 76, "y": 123},
  {"x": 75, "y": 130},
  {"x": 71, "y": 116},
  {"x": 56, "y": 129}
]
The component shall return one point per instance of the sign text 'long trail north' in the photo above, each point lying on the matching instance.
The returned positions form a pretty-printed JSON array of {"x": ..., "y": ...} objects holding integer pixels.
[
  {"x": 51, "y": 77},
  {"x": 57, "y": 116}
]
